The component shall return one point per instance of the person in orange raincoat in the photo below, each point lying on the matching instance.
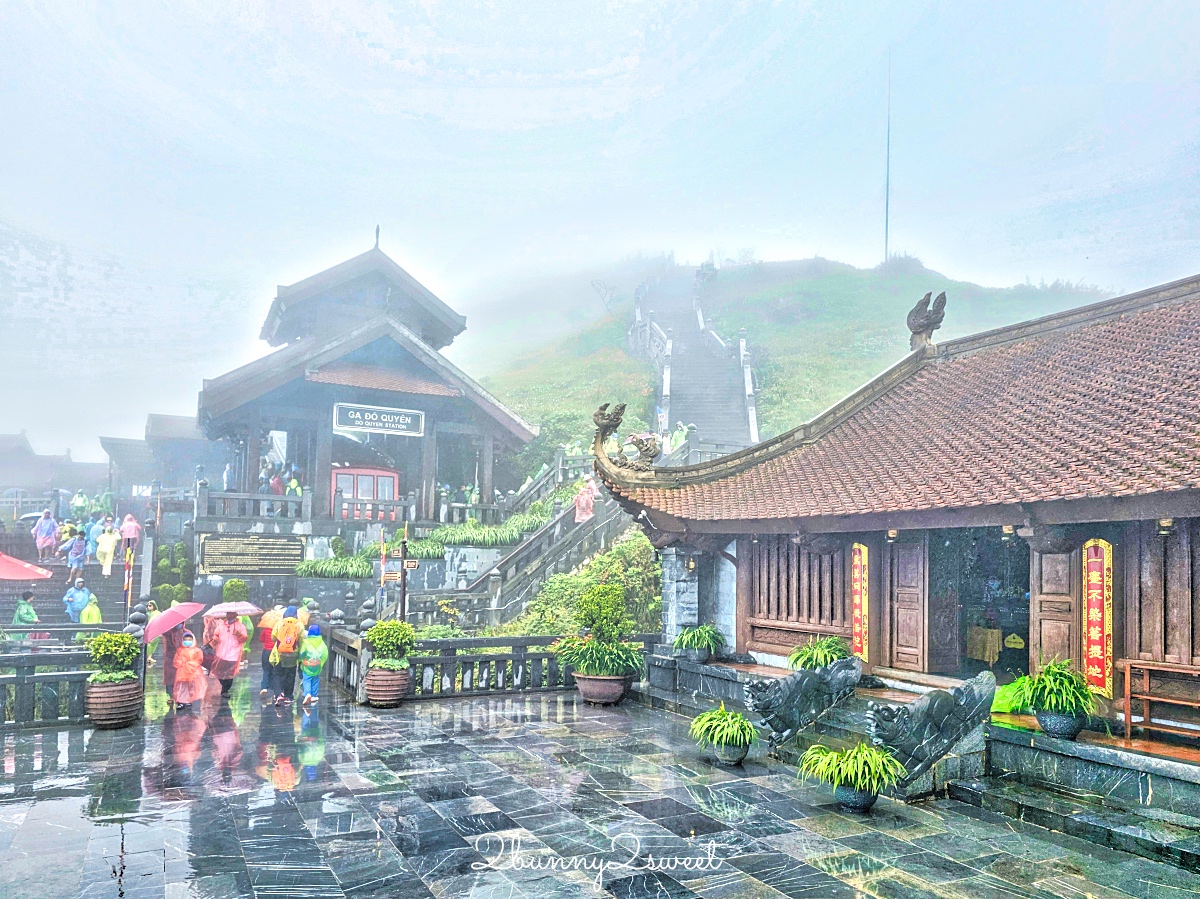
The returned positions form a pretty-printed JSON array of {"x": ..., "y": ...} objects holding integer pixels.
[{"x": 190, "y": 680}]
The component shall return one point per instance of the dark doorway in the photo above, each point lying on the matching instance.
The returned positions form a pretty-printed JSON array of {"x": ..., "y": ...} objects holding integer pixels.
[{"x": 982, "y": 574}]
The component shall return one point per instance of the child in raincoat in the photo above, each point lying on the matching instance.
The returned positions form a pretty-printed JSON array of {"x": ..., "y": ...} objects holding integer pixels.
[
  {"x": 106, "y": 548},
  {"x": 190, "y": 684},
  {"x": 313, "y": 653}
]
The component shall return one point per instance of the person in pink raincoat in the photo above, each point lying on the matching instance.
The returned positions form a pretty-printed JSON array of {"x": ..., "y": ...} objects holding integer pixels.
[
  {"x": 45, "y": 534},
  {"x": 585, "y": 499},
  {"x": 227, "y": 637},
  {"x": 131, "y": 533},
  {"x": 190, "y": 680}
]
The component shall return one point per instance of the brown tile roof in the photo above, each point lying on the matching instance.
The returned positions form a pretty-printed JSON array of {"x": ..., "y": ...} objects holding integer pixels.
[
  {"x": 1100, "y": 402},
  {"x": 351, "y": 374}
]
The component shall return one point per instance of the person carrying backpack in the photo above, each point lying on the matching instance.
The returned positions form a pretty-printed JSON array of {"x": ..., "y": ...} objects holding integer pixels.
[
  {"x": 313, "y": 653},
  {"x": 287, "y": 635}
]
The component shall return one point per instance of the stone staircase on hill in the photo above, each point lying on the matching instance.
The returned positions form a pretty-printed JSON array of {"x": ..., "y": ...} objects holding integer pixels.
[{"x": 707, "y": 382}]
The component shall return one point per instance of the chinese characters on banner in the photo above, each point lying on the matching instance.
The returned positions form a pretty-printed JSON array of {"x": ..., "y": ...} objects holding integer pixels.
[
  {"x": 1097, "y": 616},
  {"x": 859, "y": 601}
]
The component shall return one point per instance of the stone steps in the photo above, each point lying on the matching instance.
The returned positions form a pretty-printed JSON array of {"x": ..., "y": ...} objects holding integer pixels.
[{"x": 1153, "y": 833}]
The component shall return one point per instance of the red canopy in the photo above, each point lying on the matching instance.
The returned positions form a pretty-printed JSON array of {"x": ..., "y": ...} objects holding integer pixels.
[{"x": 15, "y": 570}]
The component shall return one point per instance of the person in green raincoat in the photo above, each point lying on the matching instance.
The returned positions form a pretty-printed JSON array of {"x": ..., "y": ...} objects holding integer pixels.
[
  {"x": 89, "y": 615},
  {"x": 25, "y": 615},
  {"x": 313, "y": 653},
  {"x": 152, "y": 612}
]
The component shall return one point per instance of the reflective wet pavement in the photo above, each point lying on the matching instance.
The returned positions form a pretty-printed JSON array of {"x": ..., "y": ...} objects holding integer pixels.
[{"x": 538, "y": 796}]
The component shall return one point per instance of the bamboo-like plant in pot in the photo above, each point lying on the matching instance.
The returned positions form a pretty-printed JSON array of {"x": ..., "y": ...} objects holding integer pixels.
[
  {"x": 1060, "y": 698},
  {"x": 114, "y": 692},
  {"x": 730, "y": 734},
  {"x": 819, "y": 653},
  {"x": 602, "y": 663},
  {"x": 389, "y": 679},
  {"x": 857, "y": 774},
  {"x": 698, "y": 644}
]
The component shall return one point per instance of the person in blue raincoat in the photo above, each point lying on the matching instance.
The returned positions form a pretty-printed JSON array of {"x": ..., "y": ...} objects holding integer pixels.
[{"x": 76, "y": 599}]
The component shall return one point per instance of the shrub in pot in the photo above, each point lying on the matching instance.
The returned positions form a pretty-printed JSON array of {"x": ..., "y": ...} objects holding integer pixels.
[
  {"x": 1060, "y": 698},
  {"x": 819, "y": 653},
  {"x": 857, "y": 774},
  {"x": 697, "y": 644},
  {"x": 602, "y": 663},
  {"x": 730, "y": 734},
  {"x": 389, "y": 678},
  {"x": 114, "y": 692}
]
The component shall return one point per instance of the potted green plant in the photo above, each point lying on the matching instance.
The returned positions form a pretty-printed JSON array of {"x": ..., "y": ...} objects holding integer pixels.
[
  {"x": 697, "y": 644},
  {"x": 603, "y": 665},
  {"x": 389, "y": 678},
  {"x": 730, "y": 734},
  {"x": 857, "y": 774},
  {"x": 819, "y": 653},
  {"x": 1060, "y": 698},
  {"x": 114, "y": 692}
]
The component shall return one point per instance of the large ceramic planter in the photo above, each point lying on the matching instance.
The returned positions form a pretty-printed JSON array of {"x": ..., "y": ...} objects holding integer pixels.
[
  {"x": 601, "y": 689},
  {"x": 852, "y": 800},
  {"x": 386, "y": 689},
  {"x": 730, "y": 755},
  {"x": 1065, "y": 727},
  {"x": 110, "y": 706}
]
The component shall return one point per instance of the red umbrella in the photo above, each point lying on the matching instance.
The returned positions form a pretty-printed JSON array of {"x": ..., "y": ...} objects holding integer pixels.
[
  {"x": 15, "y": 570},
  {"x": 164, "y": 621}
]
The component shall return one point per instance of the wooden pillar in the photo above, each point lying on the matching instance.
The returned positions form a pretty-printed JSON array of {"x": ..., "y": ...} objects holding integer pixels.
[
  {"x": 428, "y": 490},
  {"x": 322, "y": 470},
  {"x": 485, "y": 469}
]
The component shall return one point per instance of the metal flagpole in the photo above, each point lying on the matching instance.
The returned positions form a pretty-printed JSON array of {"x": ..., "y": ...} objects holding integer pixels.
[
  {"x": 403, "y": 616},
  {"x": 128, "y": 580}
]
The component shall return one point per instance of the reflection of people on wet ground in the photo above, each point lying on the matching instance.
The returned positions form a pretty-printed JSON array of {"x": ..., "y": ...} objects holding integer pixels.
[
  {"x": 226, "y": 636},
  {"x": 227, "y": 744},
  {"x": 190, "y": 681},
  {"x": 287, "y": 635},
  {"x": 277, "y": 751},
  {"x": 187, "y": 729},
  {"x": 311, "y": 744}
]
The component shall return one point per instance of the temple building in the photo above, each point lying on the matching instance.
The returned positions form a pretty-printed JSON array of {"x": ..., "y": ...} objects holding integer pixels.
[{"x": 993, "y": 502}]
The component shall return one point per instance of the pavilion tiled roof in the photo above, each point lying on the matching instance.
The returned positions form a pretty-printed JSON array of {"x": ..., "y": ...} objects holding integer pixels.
[
  {"x": 1102, "y": 401},
  {"x": 350, "y": 374}
]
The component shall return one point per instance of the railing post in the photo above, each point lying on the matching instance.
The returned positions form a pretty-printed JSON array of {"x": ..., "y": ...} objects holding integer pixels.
[
  {"x": 306, "y": 506},
  {"x": 200, "y": 508}
]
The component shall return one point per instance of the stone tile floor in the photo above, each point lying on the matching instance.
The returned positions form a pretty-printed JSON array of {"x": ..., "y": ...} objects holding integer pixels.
[{"x": 538, "y": 796}]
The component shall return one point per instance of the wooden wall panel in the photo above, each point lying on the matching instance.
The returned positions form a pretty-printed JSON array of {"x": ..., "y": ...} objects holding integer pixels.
[
  {"x": 1162, "y": 593},
  {"x": 1055, "y": 607},
  {"x": 794, "y": 594}
]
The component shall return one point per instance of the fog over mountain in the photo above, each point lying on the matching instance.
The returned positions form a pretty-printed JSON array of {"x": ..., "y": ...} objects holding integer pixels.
[{"x": 163, "y": 167}]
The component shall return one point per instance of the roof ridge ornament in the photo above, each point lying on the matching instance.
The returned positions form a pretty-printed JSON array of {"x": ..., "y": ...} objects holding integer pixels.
[
  {"x": 923, "y": 321},
  {"x": 607, "y": 423}
]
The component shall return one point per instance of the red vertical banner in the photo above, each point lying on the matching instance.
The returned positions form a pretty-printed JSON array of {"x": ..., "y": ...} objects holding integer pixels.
[
  {"x": 1097, "y": 616},
  {"x": 859, "y": 602}
]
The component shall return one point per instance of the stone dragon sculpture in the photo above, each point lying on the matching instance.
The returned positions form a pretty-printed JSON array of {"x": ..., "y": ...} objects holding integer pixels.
[
  {"x": 923, "y": 321},
  {"x": 791, "y": 703},
  {"x": 607, "y": 421},
  {"x": 920, "y": 733}
]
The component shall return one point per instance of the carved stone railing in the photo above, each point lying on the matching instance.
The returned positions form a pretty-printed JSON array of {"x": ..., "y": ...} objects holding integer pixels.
[
  {"x": 565, "y": 469},
  {"x": 374, "y": 509},
  {"x": 247, "y": 506},
  {"x": 45, "y": 689},
  {"x": 469, "y": 666},
  {"x": 695, "y": 450}
]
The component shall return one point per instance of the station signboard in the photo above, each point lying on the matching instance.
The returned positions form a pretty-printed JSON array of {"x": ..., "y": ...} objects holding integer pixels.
[{"x": 378, "y": 420}]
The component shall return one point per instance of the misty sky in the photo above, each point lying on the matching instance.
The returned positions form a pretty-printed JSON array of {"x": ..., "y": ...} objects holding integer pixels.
[{"x": 259, "y": 142}]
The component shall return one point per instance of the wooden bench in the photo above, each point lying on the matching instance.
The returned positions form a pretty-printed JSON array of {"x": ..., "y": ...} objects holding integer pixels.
[{"x": 1146, "y": 694}]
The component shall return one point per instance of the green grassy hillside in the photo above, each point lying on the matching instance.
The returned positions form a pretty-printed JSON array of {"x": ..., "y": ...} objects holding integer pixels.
[{"x": 818, "y": 330}]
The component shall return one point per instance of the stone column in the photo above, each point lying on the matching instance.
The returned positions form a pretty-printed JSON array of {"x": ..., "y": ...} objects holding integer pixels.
[
  {"x": 487, "y": 457},
  {"x": 321, "y": 475},
  {"x": 680, "y": 592}
]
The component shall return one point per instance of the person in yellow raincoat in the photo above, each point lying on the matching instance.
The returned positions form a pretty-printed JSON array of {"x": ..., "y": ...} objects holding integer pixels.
[
  {"x": 90, "y": 614},
  {"x": 106, "y": 548}
]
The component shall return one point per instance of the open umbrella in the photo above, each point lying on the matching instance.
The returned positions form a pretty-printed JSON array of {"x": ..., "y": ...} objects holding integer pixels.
[
  {"x": 222, "y": 609},
  {"x": 15, "y": 570},
  {"x": 164, "y": 621}
]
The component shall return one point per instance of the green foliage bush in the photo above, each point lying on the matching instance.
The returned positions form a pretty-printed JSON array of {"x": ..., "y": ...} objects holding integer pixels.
[
  {"x": 165, "y": 594},
  {"x": 718, "y": 727},
  {"x": 440, "y": 632},
  {"x": 592, "y": 656},
  {"x": 114, "y": 652},
  {"x": 706, "y": 636},
  {"x": 630, "y": 564},
  {"x": 391, "y": 664},
  {"x": 1058, "y": 688},
  {"x": 390, "y": 640},
  {"x": 338, "y": 546},
  {"x": 861, "y": 767},
  {"x": 601, "y": 610},
  {"x": 819, "y": 653},
  {"x": 344, "y": 568},
  {"x": 235, "y": 590}
]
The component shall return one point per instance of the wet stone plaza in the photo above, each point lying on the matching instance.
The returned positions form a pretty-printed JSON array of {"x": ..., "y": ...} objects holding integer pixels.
[{"x": 539, "y": 796}]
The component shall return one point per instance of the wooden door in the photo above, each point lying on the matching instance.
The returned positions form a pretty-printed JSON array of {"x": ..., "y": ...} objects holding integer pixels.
[
  {"x": 1054, "y": 607},
  {"x": 908, "y": 603}
]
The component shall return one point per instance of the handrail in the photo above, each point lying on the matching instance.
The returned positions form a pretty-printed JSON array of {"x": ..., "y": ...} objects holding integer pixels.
[{"x": 218, "y": 504}]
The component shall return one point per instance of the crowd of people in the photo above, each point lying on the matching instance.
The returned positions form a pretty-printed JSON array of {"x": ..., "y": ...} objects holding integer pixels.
[
  {"x": 292, "y": 647},
  {"x": 94, "y": 537}
]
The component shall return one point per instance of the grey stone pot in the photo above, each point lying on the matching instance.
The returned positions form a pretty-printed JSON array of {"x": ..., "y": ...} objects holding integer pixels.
[
  {"x": 699, "y": 656},
  {"x": 1064, "y": 727},
  {"x": 852, "y": 800},
  {"x": 730, "y": 755}
]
